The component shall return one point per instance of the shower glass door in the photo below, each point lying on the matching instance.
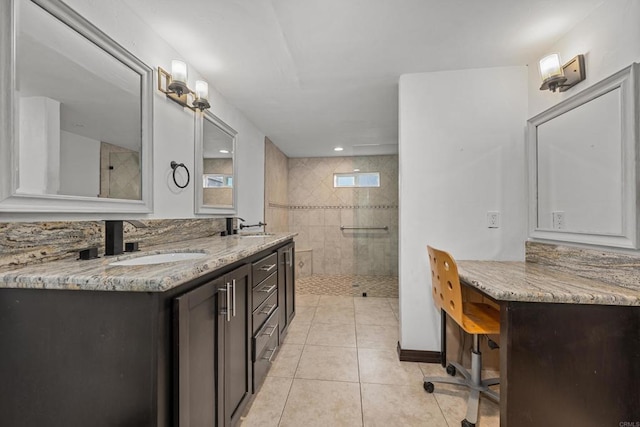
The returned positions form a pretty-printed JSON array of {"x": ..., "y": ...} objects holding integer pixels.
[{"x": 374, "y": 226}]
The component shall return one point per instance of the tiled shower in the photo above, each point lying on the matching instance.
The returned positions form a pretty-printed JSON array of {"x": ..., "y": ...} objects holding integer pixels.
[{"x": 330, "y": 259}]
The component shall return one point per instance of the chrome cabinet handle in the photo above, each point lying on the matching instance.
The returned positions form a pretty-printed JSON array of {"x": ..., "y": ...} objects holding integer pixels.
[
  {"x": 234, "y": 297},
  {"x": 227, "y": 311},
  {"x": 267, "y": 267},
  {"x": 270, "y": 310},
  {"x": 266, "y": 291},
  {"x": 270, "y": 334},
  {"x": 273, "y": 351}
]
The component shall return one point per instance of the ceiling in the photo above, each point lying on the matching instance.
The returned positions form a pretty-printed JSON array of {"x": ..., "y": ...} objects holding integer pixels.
[{"x": 314, "y": 74}]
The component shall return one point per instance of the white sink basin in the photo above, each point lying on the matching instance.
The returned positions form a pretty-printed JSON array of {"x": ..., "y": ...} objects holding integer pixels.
[{"x": 161, "y": 258}]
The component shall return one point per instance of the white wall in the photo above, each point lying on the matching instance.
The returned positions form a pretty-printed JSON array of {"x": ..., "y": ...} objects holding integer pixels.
[
  {"x": 173, "y": 137},
  {"x": 610, "y": 40},
  {"x": 461, "y": 154},
  {"x": 79, "y": 165},
  {"x": 39, "y": 135}
]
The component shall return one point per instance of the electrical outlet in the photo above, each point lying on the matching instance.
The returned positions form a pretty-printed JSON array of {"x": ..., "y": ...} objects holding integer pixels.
[
  {"x": 558, "y": 220},
  {"x": 493, "y": 219}
]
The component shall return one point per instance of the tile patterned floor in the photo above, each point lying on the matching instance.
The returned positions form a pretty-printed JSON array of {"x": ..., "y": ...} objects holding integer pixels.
[
  {"x": 338, "y": 366},
  {"x": 374, "y": 286}
]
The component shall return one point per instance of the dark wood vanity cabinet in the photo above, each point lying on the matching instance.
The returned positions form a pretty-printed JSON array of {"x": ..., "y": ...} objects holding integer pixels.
[
  {"x": 286, "y": 285},
  {"x": 199, "y": 324},
  {"x": 212, "y": 333},
  {"x": 181, "y": 357}
]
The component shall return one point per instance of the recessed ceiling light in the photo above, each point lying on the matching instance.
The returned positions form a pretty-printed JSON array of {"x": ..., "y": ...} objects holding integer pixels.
[
  {"x": 338, "y": 149},
  {"x": 356, "y": 170},
  {"x": 224, "y": 151}
]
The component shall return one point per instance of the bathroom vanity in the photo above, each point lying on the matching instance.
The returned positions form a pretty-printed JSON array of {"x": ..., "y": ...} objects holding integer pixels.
[{"x": 180, "y": 343}]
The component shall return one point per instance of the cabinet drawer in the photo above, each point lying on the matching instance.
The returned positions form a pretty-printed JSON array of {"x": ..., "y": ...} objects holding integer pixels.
[
  {"x": 265, "y": 333},
  {"x": 264, "y": 268},
  {"x": 264, "y": 290},
  {"x": 266, "y": 309},
  {"x": 263, "y": 361}
]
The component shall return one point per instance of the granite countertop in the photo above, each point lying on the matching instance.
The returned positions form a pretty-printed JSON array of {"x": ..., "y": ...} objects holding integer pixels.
[
  {"x": 98, "y": 275},
  {"x": 529, "y": 282}
]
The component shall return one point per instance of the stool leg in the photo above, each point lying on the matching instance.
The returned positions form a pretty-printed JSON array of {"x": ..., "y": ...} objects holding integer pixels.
[{"x": 473, "y": 403}]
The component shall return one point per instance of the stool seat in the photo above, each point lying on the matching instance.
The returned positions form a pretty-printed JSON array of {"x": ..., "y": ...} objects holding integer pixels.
[{"x": 480, "y": 318}]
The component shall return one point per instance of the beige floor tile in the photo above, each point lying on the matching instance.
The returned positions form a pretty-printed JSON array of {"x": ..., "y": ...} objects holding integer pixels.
[
  {"x": 329, "y": 334},
  {"x": 328, "y": 363},
  {"x": 395, "y": 305},
  {"x": 315, "y": 403},
  {"x": 384, "y": 367},
  {"x": 286, "y": 361},
  {"x": 304, "y": 314},
  {"x": 377, "y": 336},
  {"x": 268, "y": 405},
  {"x": 306, "y": 300},
  {"x": 297, "y": 333},
  {"x": 376, "y": 316},
  {"x": 335, "y": 315},
  {"x": 335, "y": 301},
  {"x": 371, "y": 302},
  {"x": 453, "y": 403},
  {"x": 400, "y": 405}
]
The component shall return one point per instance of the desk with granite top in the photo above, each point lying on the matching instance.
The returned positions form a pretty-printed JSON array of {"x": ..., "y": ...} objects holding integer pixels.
[{"x": 570, "y": 346}]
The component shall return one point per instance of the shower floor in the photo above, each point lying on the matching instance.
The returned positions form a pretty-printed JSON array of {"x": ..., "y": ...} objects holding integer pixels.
[{"x": 374, "y": 286}]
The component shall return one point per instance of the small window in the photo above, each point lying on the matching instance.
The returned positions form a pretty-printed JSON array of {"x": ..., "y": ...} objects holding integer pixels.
[
  {"x": 211, "y": 180},
  {"x": 356, "y": 179}
]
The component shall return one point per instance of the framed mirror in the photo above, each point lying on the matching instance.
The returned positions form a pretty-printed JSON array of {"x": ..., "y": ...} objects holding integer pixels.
[
  {"x": 582, "y": 165},
  {"x": 78, "y": 115},
  {"x": 215, "y": 166}
]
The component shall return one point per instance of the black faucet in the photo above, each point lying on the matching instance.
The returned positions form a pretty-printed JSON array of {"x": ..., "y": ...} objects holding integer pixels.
[
  {"x": 259, "y": 224},
  {"x": 230, "y": 229},
  {"x": 114, "y": 235}
]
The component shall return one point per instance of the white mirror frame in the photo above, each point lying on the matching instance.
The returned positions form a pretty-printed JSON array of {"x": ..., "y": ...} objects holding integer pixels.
[
  {"x": 627, "y": 81},
  {"x": 200, "y": 208},
  {"x": 12, "y": 202}
]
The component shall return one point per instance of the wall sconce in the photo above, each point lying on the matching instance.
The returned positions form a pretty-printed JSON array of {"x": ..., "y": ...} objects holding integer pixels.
[
  {"x": 562, "y": 77},
  {"x": 174, "y": 85}
]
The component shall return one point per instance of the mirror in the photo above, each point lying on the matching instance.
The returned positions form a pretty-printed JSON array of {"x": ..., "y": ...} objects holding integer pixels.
[
  {"x": 81, "y": 109},
  {"x": 582, "y": 168},
  {"x": 215, "y": 166}
]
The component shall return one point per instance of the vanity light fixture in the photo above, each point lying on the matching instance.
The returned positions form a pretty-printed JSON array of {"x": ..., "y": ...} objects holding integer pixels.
[
  {"x": 174, "y": 85},
  {"x": 563, "y": 77}
]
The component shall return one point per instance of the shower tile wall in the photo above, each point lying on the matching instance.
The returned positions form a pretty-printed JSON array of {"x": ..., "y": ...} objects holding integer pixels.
[
  {"x": 276, "y": 198},
  {"x": 218, "y": 196},
  {"x": 317, "y": 210},
  {"x": 119, "y": 172}
]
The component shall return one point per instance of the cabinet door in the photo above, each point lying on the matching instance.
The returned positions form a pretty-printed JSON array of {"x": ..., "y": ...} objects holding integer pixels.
[
  {"x": 286, "y": 286},
  {"x": 290, "y": 282},
  {"x": 237, "y": 367},
  {"x": 198, "y": 314},
  {"x": 282, "y": 289}
]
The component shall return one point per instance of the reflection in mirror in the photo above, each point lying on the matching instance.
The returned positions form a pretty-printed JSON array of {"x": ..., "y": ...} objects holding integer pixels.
[
  {"x": 82, "y": 116},
  {"x": 582, "y": 166},
  {"x": 215, "y": 147}
]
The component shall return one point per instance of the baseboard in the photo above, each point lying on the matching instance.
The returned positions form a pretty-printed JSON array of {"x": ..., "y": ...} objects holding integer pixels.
[{"x": 419, "y": 355}]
